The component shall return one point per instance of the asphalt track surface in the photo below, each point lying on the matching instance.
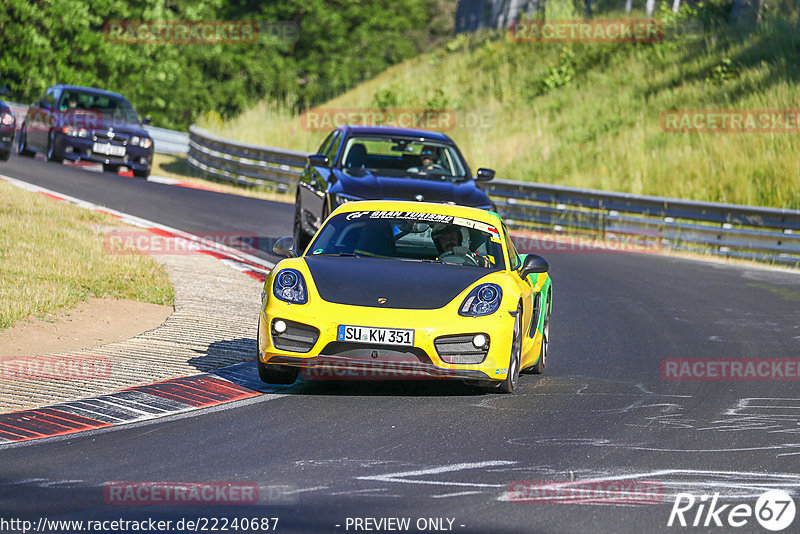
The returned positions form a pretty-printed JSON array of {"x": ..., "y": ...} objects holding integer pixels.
[{"x": 420, "y": 450}]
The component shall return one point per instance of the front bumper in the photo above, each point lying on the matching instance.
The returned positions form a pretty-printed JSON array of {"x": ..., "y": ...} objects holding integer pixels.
[
  {"x": 6, "y": 140},
  {"x": 325, "y": 356},
  {"x": 79, "y": 148}
]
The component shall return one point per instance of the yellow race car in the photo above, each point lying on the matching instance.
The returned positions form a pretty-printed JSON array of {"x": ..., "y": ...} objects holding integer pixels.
[{"x": 406, "y": 289}]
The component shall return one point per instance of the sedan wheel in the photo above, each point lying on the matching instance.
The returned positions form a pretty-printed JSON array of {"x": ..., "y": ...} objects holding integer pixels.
[
  {"x": 300, "y": 236},
  {"x": 22, "y": 144},
  {"x": 541, "y": 364},
  {"x": 51, "y": 148}
]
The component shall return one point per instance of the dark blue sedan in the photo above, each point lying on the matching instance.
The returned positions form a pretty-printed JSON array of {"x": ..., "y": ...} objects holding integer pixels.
[
  {"x": 380, "y": 162},
  {"x": 7, "y": 126},
  {"x": 83, "y": 123}
]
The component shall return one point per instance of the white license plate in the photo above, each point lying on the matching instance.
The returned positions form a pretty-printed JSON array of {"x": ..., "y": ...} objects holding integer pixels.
[
  {"x": 380, "y": 336},
  {"x": 109, "y": 149}
]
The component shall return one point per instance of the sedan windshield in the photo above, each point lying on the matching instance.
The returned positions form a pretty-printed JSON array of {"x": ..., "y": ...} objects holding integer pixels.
[
  {"x": 116, "y": 108},
  {"x": 411, "y": 236},
  {"x": 402, "y": 157}
]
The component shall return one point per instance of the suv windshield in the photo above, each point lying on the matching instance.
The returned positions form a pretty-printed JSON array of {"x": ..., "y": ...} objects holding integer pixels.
[
  {"x": 411, "y": 236},
  {"x": 116, "y": 108},
  {"x": 402, "y": 157}
]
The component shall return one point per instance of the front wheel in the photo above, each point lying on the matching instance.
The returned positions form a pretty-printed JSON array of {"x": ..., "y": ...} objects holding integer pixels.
[
  {"x": 52, "y": 155},
  {"x": 141, "y": 174},
  {"x": 300, "y": 237},
  {"x": 273, "y": 374},
  {"x": 512, "y": 379},
  {"x": 5, "y": 155},
  {"x": 22, "y": 143}
]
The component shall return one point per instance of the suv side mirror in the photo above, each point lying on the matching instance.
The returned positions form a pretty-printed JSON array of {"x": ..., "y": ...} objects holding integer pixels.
[
  {"x": 146, "y": 121},
  {"x": 484, "y": 175},
  {"x": 44, "y": 105},
  {"x": 318, "y": 160},
  {"x": 533, "y": 264},
  {"x": 285, "y": 247}
]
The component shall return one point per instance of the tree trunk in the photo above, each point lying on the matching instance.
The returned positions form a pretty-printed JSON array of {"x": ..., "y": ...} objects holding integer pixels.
[
  {"x": 650, "y": 7},
  {"x": 588, "y": 9},
  {"x": 676, "y": 5},
  {"x": 628, "y": 6}
]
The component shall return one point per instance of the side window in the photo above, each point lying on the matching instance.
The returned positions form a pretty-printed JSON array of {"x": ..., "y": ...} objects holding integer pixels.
[
  {"x": 512, "y": 251},
  {"x": 334, "y": 147},
  {"x": 325, "y": 144}
]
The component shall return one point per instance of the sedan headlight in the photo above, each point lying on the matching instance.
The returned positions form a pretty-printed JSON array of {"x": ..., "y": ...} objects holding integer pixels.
[
  {"x": 290, "y": 287},
  {"x": 7, "y": 119},
  {"x": 483, "y": 300},
  {"x": 74, "y": 131},
  {"x": 339, "y": 199}
]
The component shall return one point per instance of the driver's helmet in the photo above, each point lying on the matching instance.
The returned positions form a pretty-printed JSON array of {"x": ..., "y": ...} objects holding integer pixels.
[{"x": 443, "y": 229}]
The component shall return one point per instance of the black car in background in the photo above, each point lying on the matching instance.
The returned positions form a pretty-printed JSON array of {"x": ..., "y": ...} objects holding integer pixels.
[
  {"x": 8, "y": 125},
  {"x": 83, "y": 123},
  {"x": 381, "y": 162}
]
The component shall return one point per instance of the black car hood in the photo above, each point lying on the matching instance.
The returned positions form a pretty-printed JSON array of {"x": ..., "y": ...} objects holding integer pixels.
[
  {"x": 101, "y": 122},
  {"x": 404, "y": 284},
  {"x": 370, "y": 186}
]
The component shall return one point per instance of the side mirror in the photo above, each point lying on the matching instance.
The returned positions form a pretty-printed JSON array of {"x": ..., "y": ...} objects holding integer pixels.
[
  {"x": 533, "y": 264},
  {"x": 285, "y": 247},
  {"x": 318, "y": 160},
  {"x": 146, "y": 121},
  {"x": 484, "y": 175},
  {"x": 44, "y": 105},
  {"x": 4, "y": 91}
]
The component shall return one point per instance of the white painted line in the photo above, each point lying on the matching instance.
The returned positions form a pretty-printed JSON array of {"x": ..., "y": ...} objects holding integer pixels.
[{"x": 401, "y": 476}]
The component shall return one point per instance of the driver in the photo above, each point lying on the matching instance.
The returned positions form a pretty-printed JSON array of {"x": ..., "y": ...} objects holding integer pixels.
[
  {"x": 449, "y": 241},
  {"x": 428, "y": 160}
]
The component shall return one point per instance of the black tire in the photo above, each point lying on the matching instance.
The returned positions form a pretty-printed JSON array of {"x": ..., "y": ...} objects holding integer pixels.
[
  {"x": 141, "y": 174},
  {"x": 5, "y": 155},
  {"x": 512, "y": 380},
  {"x": 51, "y": 148},
  {"x": 541, "y": 364},
  {"x": 108, "y": 167},
  {"x": 274, "y": 374},
  {"x": 22, "y": 143},
  {"x": 300, "y": 237}
]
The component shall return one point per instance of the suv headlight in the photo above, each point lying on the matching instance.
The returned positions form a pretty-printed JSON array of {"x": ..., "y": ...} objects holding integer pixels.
[
  {"x": 290, "y": 287},
  {"x": 483, "y": 300},
  {"x": 7, "y": 119}
]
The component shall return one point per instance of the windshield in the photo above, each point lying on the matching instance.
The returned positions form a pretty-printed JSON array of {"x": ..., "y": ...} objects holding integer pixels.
[
  {"x": 116, "y": 108},
  {"x": 411, "y": 236},
  {"x": 402, "y": 157}
]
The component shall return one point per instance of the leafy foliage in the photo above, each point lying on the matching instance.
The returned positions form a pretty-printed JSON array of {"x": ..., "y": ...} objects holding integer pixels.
[{"x": 338, "y": 44}]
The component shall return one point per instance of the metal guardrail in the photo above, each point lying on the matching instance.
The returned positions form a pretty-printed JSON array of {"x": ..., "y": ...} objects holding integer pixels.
[
  {"x": 649, "y": 222},
  {"x": 165, "y": 141}
]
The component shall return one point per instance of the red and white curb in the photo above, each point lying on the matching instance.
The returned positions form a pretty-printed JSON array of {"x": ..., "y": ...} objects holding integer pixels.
[
  {"x": 250, "y": 265},
  {"x": 139, "y": 403}
]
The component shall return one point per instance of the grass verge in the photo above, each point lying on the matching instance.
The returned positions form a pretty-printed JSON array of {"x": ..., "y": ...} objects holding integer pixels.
[
  {"x": 52, "y": 257},
  {"x": 589, "y": 114}
]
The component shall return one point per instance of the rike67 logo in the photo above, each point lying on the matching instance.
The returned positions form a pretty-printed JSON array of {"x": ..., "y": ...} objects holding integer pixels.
[{"x": 774, "y": 510}]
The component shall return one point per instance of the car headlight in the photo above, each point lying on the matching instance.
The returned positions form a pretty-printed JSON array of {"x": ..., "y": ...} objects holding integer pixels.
[
  {"x": 7, "y": 119},
  {"x": 483, "y": 300},
  {"x": 74, "y": 131},
  {"x": 145, "y": 142},
  {"x": 339, "y": 199},
  {"x": 290, "y": 287}
]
